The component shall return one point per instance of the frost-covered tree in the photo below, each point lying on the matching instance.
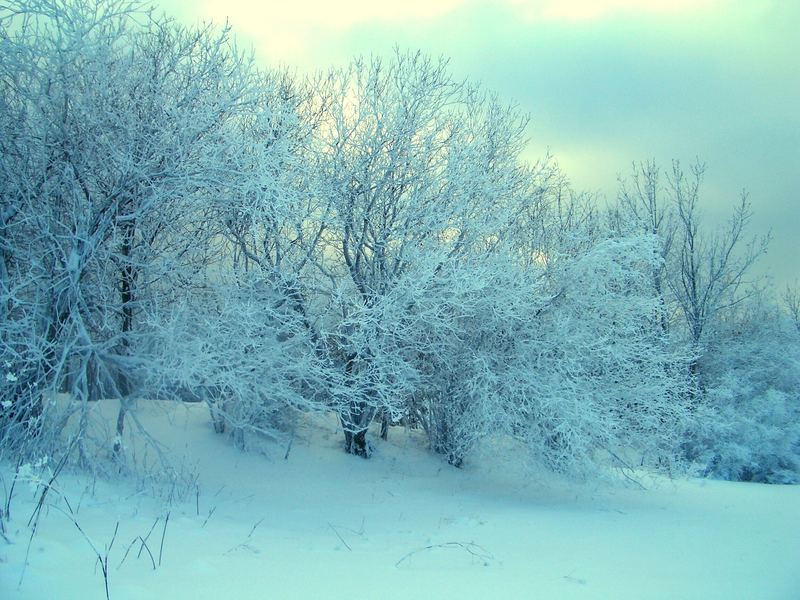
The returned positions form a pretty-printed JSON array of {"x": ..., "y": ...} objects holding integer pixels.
[
  {"x": 432, "y": 358},
  {"x": 599, "y": 378},
  {"x": 642, "y": 206},
  {"x": 745, "y": 398},
  {"x": 123, "y": 130},
  {"x": 703, "y": 273},
  {"x": 416, "y": 164},
  {"x": 712, "y": 269},
  {"x": 269, "y": 241},
  {"x": 241, "y": 347},
  {"x": 566, "y": 355}
]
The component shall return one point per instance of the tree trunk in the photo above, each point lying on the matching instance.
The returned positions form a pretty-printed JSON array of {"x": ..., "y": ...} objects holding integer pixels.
[
  {"x": 127, "y": 282},
  {"x": 356, "y": 443},
  {"x": 355, "y": 420},
  {"x": 385, "y": 426}
]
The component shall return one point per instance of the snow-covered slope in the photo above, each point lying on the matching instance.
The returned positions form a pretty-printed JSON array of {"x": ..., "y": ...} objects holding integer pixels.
[{"x": 323, "y": 524}]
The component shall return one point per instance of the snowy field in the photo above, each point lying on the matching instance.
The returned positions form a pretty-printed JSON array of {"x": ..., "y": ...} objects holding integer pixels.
[{"x": 323, "y": 524}]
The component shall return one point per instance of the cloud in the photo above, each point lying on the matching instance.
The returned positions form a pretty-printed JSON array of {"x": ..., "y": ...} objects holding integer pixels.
[
  {"x": 333, "y": 15},
  {"x": 292, "y": 32},
  {"x": 719, "y": 83},
  {"x": 606, "y": 81},
  {"x": 574, "y": 11}
]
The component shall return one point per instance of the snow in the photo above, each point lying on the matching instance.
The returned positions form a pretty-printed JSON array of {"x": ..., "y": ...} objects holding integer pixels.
[{"x": 324, "y": 524}]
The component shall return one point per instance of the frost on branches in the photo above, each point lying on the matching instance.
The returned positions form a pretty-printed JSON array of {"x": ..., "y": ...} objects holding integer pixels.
[
  {"x": 568, "y": 359},
  {"x": 599, "y": 378},
  {"x": 177, "y": 224},
  {"x": 119, "y": 130},
  {"x": 749, "y": 426}
]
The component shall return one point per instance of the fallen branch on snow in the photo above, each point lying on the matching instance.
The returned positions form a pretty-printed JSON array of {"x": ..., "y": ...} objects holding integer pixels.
[{"x": 470, "y": 547}]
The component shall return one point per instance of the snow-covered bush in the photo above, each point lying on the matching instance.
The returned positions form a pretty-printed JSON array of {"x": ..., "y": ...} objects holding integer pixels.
[
  {"x": 434, "y": 346},
  {"x": 570, "y": 359},
  {"x": 744, "y": 436},
  {"x": 748, "y": 424},
  {"x": 244, "y": 351},
  {"x": 596, "y": 377}
]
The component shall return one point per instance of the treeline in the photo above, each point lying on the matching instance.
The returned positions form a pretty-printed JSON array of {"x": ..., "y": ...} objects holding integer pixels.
[{"x": 177, "y": 223}]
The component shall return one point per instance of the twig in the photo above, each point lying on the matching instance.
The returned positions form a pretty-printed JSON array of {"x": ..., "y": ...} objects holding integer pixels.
[
  {"x": 104, "y": 560},
  {"x": 210, "y": 512},
  {"x": 133, "y": 541},
  {"x": 10, "y": 494},
  {"x": 341, "y": 539},
  {"x": 163, "y": 534},
  {"x": 147, "y": 537},
  {"x": 69, "y": 506},
  {"x": 359, "y": 531},
  {"x": 150, "y": 554},
  {"x": 623, "y": 467},
  {"x": 143, "y": 546},
  {"x": 470, "y": 547},
  {"x": 101, "y": 558},
  {"x": 38, "y": 510},
  {"x": 254, "y": 528},
  {"x": 247, "y": 539},
  {"x": 289, "y": 447}
]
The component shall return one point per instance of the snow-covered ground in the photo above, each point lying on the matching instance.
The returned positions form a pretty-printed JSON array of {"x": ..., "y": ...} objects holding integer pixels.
[{"x": 323, "y": 524}]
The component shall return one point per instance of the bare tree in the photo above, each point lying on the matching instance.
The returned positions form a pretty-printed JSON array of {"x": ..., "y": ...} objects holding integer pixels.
[
  {"x": 701, "y": 274},
  {"x": 642, "y": 205},
  {"x": 712, "y": 269}
]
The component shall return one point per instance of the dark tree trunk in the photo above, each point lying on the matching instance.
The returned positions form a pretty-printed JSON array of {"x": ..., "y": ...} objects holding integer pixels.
[
  {"x": 385, "y": 426},
  {"x": 355, "y": 421},
  {"x": 443, "y": 441},
  {"x": 356, "y": 443},
  {"x": 128, "y": 276}
]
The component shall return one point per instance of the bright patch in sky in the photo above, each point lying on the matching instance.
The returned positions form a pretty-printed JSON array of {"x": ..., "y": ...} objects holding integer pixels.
[{"x": 337, "y": 15}]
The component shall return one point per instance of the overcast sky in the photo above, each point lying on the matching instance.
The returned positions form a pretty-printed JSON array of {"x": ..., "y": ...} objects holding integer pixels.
[{"x": 606, "y": 82}]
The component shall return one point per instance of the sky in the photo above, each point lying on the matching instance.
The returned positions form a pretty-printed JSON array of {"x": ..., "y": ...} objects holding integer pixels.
[{"x": 606, "y": 82}]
